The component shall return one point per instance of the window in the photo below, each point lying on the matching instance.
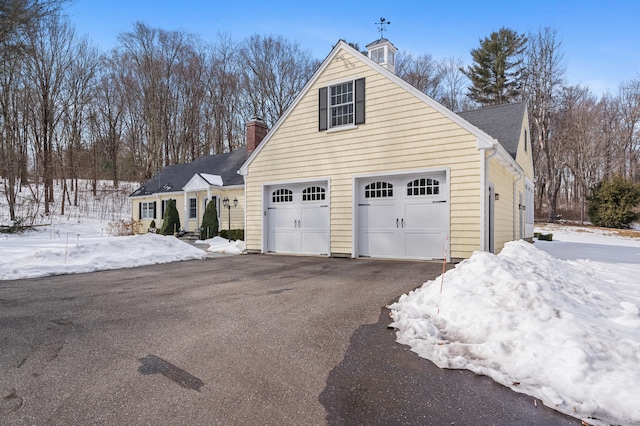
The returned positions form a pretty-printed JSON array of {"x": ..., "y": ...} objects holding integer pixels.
[
  {"x": 377, "y": 55},
  {"x": 341, "y": 105},
  {"x": 378, "y": 190},
  {"x": 193, "y": 208},
  {"x": 163, "y": 208},
  {"x": 282, "y": 196},
  {"x": 313, "y": 193},
  {"x": 423, "y": 186},
  {"x": 147, "y": 210}
]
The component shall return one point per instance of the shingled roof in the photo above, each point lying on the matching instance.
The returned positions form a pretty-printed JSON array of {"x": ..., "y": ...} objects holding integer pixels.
[
  {"x": 174, "y": 178},
  {"x": 503, "y": 122}
]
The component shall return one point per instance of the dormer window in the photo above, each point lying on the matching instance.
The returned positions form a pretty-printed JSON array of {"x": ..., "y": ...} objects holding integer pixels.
[{"x": 341, "y": 105}]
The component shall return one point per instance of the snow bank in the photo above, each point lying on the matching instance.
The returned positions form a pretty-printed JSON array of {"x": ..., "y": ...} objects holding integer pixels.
[
  {"x": 224, "y": 246},
  {"x": 39, "y": 254},
  {"x": 565, "y": 332}
]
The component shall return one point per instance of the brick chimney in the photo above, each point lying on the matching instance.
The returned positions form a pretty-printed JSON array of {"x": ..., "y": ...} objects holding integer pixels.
[{"x": 256, "y": 131}]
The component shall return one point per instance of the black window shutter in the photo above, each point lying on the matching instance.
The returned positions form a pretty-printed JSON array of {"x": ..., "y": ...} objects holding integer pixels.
[
  {"x": 140, "y": 211},
  {"x": 154, "y": 209},
  {"x": 360, "y": 101},
  {"x": 322, "y": 110}
]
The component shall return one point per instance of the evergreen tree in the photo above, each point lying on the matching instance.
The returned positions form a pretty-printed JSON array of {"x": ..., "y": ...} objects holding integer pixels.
[
  {"x": 613, "y": 203},
  {"x": 171, "y": 219},
  {"x": 495, "y": 74},
  {"x": 209, "y": 221}
]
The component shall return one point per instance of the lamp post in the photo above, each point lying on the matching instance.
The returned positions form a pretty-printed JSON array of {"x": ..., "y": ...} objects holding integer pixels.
[{"x": 227, "y": 204}]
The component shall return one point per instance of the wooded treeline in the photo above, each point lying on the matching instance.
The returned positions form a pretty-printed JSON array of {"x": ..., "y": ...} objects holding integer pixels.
[{"x": 69, "y": 111}]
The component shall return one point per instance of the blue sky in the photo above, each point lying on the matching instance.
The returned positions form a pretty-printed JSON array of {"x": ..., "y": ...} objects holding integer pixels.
[{"x": 601, "y": 39}]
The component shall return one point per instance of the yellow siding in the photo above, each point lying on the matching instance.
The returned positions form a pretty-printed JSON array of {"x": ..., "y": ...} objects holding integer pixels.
[
  {"x": 524, "y": 158},
  {"x": 523, "y": 155},
  {"x": 401, "y": 133},
  {"x": 502, "y": 179}
]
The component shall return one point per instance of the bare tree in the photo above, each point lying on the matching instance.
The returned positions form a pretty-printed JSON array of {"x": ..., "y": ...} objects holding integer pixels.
[
  {"x": 80, "y": 89},
  {"x": 224, "y": 96},
  {"x": 108, "y": 113},
  {"x": 578, "y": 127},
  {"x": 275, "y": 70},
  {"x": 422, "y": 72},
  {"x": 454, "y": 85},
  {"x": 629, "y": 98},
  {"x": 542, "y": 81},
  {"x": 52, "y": 47},
  {"x": 18, "y": 18}
]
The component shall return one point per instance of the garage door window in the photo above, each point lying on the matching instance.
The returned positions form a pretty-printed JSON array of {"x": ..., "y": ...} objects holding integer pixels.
[
  {"x": 282, "y": 195},
  {"x": 378, "y": 190},
  {"x": 423, "y": 186},
  {"x": 313, "y": 193}
]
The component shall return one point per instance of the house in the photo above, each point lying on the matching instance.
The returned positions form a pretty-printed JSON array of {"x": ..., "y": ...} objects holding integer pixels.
[
  {"x": 362, "y": 164},
  {"x": 193, "y": 185}
]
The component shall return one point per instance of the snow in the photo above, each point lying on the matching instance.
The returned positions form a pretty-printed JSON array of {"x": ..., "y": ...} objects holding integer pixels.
[
  {"x": 557, "y": 320},
  {"x": 69, "y": 248},
  {"x": 224, "y": 246}
]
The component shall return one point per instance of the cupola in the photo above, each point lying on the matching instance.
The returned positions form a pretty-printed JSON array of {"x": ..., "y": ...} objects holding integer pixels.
[{"x": 382, "y": 50}]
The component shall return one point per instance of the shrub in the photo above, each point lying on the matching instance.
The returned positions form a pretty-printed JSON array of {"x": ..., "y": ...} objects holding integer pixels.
[
  {"x": 171, "y": 219},
  {"x": 545, "y": 237},
  {"x": 612, "y": 203},
  {"x": 123, "y": 227},
  {"x": 236, "y": 234},
  {"x": 209, "y": 222},
  {"x": 16, "y": 227}
]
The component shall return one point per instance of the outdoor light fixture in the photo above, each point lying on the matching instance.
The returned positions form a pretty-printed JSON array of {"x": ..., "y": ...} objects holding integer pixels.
[{"x": 227, "y": 203}]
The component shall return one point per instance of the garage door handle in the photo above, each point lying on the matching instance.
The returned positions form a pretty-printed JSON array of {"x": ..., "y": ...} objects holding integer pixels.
[
  {"x": 402, "y": 221},
  {"x": 397, "y": 223}
]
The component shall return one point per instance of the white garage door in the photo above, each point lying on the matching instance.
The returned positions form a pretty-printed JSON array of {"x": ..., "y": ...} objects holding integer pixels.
[
  {"x": 403, "y": 216},
  {"x": 298, "y": 218}
]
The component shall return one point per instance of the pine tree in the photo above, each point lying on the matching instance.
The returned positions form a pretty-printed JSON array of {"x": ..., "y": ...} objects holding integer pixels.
[
  {"x": 495, "y": 74},
  {"x": 171, "y": 219},
  {"x": 613, "y": 203},
  {"x": 209, "y": 221}
]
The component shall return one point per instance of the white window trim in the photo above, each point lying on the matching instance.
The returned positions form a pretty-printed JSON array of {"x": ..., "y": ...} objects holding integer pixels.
[
  {"x": 146, "y": 207},
  {"x": 343, "y": 127},
  {"x": 196, "y": 208}
]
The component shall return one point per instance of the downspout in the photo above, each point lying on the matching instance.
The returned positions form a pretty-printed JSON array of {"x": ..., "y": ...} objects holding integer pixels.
[
  {"x": 186, "y": 211},
  {"x": 484, "y": 179},
  {"x": 516, "y": 213}
]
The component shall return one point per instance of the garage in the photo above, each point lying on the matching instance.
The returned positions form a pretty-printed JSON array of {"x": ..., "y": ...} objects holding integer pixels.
[
  {"x": 297, "y": 218},
  {"x": 403, "y": 216}
]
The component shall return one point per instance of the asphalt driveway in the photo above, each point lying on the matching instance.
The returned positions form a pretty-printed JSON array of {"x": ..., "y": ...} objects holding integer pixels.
[{"x": 234, "y": 340}]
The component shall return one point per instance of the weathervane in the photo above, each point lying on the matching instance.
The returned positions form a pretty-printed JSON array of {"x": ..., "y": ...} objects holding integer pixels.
[{"x": 382, "y": 26}]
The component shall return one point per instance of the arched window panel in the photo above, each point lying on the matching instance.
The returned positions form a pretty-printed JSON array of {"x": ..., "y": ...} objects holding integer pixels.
[
  {"x": 313, "y": 193},
  {"x": 378, "y": 190},
  {"x": 282, "y": 195},
  {"x": 423, "y": 186}
]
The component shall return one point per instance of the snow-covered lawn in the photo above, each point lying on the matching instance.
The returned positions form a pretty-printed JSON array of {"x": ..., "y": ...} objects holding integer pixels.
[{"x": 557, "y": 320}]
